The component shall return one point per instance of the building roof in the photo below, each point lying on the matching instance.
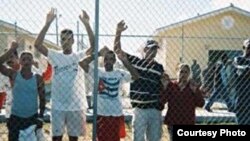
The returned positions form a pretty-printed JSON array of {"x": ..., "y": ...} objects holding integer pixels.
[
  {"x": 14, "y": 27},
  {"x": 204, "y": 16}
]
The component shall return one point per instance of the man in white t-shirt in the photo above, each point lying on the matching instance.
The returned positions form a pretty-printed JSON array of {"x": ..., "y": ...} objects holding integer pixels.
[
  {"x": 68, "y": 94},
  {"x": 109, "y": 105}
]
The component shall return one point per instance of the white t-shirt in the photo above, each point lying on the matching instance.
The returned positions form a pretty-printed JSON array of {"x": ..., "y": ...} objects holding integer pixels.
[
  {"x": 89, "y": 82},
  {"x": 108, "y": 99},
  {"x": 68, "y": 90}
]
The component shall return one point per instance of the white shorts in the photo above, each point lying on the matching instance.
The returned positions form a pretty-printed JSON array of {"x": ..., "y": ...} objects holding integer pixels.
[
  {"x": 73, "y": 121},
  {"x": 147, "y": 122}
]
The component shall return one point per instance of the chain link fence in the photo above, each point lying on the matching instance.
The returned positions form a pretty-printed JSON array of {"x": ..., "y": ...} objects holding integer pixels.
[{"x": 199, "y": 74}]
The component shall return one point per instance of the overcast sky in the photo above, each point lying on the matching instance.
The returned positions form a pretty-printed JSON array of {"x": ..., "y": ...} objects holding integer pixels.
[{"x": 141, "y": 16}]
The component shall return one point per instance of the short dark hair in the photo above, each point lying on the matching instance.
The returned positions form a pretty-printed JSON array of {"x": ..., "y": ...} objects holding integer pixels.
[
  {"x": 110, "y": 52},
  {"x": 67, "y": 31},
  {"x": 26, "y": 52}
]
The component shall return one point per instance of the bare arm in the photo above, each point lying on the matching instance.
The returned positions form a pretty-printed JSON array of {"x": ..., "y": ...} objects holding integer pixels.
[
  {"x": 166, "y": 91},
  {"x": 165, "y": 80},
  {"x": 123, "y": 57},
  {"x": 35, "y": 63},
  {"x": 131, "y": 69},
  {"x": 121, "y": 26},
  {"x": 41, "y": 92},
  {"x": 85, "y": 20},
  {"x": 84, "y": 64},
  {"x": 3, "y": 69},
  {"x": 40, "y": 38}
]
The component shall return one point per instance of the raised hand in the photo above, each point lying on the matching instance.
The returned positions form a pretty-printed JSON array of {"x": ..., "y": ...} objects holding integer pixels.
[
  {"x": 51, "y": 16},
  {"x": 165, "y": 80},
  {"x": 4, "y": 57},
  {"x": 121, "y": 26},
  {"x": 193, "y": 85},
  {"x": 84, "y": 17},
  {"x": 204, "y": 90},
  {"x": 103, "y": 51},
  {"x": 35, "y": 63}
]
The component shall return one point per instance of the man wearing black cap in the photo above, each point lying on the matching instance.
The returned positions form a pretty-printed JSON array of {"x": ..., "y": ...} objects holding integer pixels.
[
  {"x": 242, "y": 63},
  {"x": 145, "y": 91}
]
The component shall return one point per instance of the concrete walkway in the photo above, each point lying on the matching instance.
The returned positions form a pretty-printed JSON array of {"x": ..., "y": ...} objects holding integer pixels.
[{"x": 220, "y": 115}]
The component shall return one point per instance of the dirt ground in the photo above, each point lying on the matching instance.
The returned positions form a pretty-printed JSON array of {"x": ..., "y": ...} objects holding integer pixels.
[{"x": 88, "y": 137}]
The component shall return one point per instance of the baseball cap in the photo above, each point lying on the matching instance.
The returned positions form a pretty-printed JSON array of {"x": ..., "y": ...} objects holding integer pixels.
[
  {"x": 246, "y": 43},
  {"x": 151, "y": 44}
]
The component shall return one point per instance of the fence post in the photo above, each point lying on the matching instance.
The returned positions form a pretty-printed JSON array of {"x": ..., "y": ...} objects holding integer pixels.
[{"x": 96, "y": 69}]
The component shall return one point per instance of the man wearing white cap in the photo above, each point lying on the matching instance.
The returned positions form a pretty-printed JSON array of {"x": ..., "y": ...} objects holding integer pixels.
[{"x": 145, "y": 91}]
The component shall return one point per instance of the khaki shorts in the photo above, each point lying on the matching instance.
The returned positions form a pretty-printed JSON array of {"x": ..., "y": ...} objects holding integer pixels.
[{"x": 73, "y": 121}]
